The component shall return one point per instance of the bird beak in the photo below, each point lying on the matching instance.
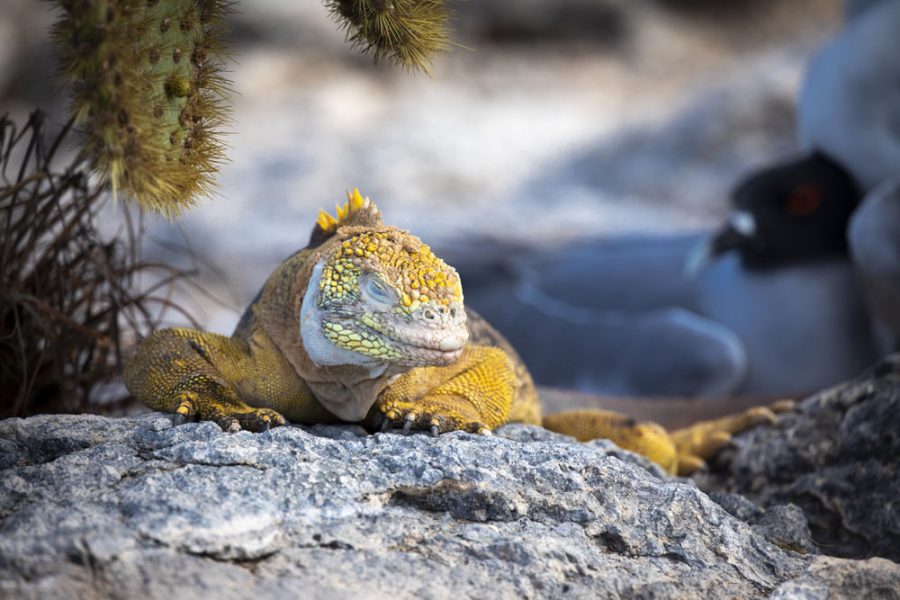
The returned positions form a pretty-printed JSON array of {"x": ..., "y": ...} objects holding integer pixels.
[{"x": 736, "y": 233}]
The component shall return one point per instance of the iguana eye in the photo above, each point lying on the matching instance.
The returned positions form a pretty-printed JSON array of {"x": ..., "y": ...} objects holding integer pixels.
[{"x": 378, "y": 291}]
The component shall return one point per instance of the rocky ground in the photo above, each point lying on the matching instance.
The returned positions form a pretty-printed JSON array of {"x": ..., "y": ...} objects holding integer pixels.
[
  {"x": 132, "y": 507},
  {"x": 523, "y": 137},
  {"x": 837, "y": 458}
]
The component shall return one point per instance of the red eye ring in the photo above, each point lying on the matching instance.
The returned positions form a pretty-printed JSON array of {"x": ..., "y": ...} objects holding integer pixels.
[{"x": 804, "y": 200}]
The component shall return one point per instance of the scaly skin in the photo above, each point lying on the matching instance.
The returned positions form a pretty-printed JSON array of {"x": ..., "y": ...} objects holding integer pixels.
[{"x": 367, "y": 325}]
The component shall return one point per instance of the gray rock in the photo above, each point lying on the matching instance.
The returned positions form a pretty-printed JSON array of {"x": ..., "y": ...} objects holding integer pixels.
[
  {"x": 828, "y": 577},
  {"x": 122, "y": 508},
  {"x": 837, "y": 457},
  {"x": 784, "y": 525}
]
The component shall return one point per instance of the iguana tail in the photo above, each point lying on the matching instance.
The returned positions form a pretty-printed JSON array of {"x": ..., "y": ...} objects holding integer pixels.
[
  {"x": 681, "y": 451},
  {"x": 645, "y": 438}
]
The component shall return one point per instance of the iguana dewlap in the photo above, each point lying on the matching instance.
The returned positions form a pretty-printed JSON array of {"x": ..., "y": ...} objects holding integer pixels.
[{"x": 367, "y": 325}]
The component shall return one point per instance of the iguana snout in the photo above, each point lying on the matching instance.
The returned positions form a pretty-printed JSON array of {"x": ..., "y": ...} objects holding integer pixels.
[{"x": 433, "y": 334}]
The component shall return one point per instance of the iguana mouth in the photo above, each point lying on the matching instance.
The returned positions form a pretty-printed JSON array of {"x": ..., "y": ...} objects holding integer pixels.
[
  {"x": 429, "y": 357},
  {"x": 440, "y": 349},
  {"x": 430, "y": 354}
]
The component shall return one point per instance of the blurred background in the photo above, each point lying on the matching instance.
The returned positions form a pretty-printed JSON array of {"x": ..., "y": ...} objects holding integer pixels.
[{"x": 550, "y": 125}]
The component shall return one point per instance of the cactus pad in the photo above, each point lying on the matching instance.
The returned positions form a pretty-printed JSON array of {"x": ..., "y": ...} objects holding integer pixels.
[{"x": 148, "y": 94}]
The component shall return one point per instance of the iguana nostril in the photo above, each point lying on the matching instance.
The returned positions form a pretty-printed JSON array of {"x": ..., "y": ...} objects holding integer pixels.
[{"x": 429, "y": 314}]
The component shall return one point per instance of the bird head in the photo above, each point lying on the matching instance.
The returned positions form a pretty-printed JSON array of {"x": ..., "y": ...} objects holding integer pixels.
[{"x": 792, "y": 212}]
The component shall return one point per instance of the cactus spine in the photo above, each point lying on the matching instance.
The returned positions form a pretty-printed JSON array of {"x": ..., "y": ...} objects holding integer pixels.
[
  {"x": 406, "y": 32},
  {"x": 148, "y": 93}
]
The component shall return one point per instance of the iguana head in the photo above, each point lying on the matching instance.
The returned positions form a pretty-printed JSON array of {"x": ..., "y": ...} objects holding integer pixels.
[{"x": 378, "y": 295}]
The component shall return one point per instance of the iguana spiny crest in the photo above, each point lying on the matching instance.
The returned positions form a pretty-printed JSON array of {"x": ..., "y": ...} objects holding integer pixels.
[{"x": 380, "y": 293}]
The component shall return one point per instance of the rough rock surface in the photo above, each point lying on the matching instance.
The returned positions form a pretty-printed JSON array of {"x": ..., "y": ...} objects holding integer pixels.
[
  {"x": 97, "y": 507},
  {"x": 784, "y": 525},
  {"x": 837, "y": 457},
  {"x": 828, "y": 577}
]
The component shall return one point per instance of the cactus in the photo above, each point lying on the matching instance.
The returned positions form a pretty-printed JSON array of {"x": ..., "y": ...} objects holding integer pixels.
[
  {"x": 148, "y": 94},
  {"x": 406, "y": 32}
]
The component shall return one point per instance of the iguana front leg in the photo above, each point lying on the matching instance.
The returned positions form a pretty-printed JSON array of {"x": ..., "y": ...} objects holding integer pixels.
[
  {"x": 186, "y": 372},
  {"x": 472, "y": 394}
]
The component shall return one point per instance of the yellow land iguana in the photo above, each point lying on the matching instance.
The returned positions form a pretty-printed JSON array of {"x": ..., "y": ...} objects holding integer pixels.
[{"x": 367, "y": 325}]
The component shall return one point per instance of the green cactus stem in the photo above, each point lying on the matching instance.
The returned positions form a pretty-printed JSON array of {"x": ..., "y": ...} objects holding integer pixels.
[
  {"x": 148, "y": 94},
  {"x": 406, "y": 32}
]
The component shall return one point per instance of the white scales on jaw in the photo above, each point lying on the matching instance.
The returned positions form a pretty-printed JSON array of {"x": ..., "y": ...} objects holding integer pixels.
[{"x": 320, "y": 349}]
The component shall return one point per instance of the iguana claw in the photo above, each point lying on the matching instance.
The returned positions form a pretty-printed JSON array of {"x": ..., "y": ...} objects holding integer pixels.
[
  {"x": 408, "y": 422},
  {"x": 187, "y": 409},
  {"x": 229, "y": 425}
]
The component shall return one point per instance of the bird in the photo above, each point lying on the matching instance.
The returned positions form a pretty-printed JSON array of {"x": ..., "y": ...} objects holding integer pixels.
[
  {"x": 875, "y": 245},
  {"x": 849, "y": 105},
  {"x": 633, "y": 323},
  {"x": 585, "y": 299},
  {"x": 794, "y": 211},
  {"x": 771, "y": 303},
  {"x": 848, "y": 130},
  {"x": 850, "y": 109}
]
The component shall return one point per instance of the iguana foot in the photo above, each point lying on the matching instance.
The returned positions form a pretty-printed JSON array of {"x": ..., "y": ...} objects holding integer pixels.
[
  {"x": 173, "y": 371},
  {"x": 679, "y": 452},
  {"x": 472, "y": 394},
  {"x": 260, "y": 419},
  {"x": 419, "y": 418},
  {"x": 701, "y": 441},
  {"x": 257, "y": 419},
  {"x": 230, "y": 415}
]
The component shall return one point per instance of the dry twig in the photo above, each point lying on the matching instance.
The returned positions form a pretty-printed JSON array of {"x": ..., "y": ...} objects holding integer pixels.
[{"x": 71, "y": 299}]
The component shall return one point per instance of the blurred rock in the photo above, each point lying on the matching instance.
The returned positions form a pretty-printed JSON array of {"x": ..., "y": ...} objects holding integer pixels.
[
  {"x": 620, "y": 24},
  {"x": 837, "y": 457},
  {"x": 96, "y": 507},
  {"x": 784, "y": 525},
  {"x": 26, "y": 59},
  {"x": 603, "y": 22},
  {"x": 828, "y": 577}
]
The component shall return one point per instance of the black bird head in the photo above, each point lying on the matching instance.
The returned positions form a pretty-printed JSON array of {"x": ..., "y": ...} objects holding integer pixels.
[{"x": 792, "y": 212}]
